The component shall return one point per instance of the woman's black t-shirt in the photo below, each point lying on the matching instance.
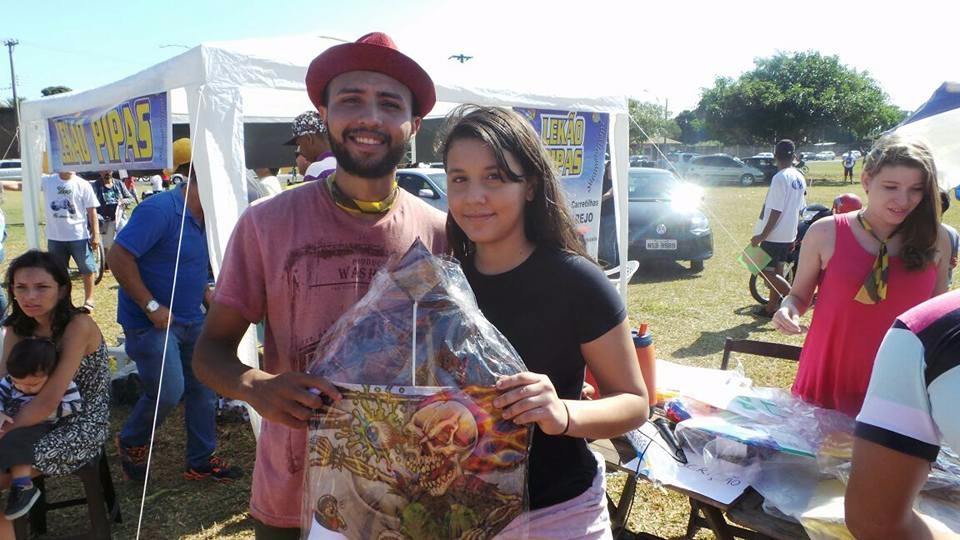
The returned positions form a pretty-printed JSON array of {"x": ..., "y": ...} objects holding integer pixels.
[{"x": 547, "y": 307}]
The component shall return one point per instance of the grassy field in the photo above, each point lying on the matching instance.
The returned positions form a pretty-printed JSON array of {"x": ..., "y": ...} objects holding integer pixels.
[{"x": 689, "y": 314}]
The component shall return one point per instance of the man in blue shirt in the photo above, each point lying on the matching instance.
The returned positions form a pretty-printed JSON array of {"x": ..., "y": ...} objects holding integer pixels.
[{"x": 158, "y": 315}]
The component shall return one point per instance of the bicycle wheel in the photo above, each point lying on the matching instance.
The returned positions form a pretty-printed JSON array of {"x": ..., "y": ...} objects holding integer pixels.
[{"x": 758, "y": 286}]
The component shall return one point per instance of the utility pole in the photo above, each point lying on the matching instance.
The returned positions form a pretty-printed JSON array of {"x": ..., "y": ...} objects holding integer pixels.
[
  {"x": 666, "y": 117},
  {"x": 11, "y": 43}
]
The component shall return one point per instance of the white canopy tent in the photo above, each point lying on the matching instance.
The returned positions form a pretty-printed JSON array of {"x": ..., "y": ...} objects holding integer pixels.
[{"x": 217, "y": 86}]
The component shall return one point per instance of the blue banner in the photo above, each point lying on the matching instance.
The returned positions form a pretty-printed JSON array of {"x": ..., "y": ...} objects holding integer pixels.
[
  {"x": 134, "y": 135},
  {"x": 577, "y": 144}
]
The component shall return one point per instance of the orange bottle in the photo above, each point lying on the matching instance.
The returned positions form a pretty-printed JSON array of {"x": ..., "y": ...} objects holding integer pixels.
[{"x": 646, "y": 358}]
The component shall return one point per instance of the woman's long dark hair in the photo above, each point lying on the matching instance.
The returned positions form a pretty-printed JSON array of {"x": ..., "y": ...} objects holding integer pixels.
[
  {"x": 921, "y": 228},
  {"x": 63, "y": 312},
  {"x": 547, "y": 220}
]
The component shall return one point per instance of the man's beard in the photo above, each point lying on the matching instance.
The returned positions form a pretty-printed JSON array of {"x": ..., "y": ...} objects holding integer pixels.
[{"x": 369, "y": 168}]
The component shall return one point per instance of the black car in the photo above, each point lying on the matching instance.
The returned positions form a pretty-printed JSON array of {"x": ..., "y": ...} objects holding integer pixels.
[
  {"x": 665, "y": 220},
  {"x": 767, "y": 165}
]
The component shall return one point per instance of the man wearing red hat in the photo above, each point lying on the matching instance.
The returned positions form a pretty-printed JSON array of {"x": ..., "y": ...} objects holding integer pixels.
[{"x": 299, "y": 260}]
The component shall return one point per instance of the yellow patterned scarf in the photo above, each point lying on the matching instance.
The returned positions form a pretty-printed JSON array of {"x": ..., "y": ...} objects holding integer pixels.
[
  {"x": 874, "y": 288},
  {"x": 361, "y": 207}
]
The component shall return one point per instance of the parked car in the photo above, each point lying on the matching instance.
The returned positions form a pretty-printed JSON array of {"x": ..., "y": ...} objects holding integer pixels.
[
  {"x": 721, "y": 168},
  {"x": 642, "y": 161},
  {"x": 764, "y": 155},
  {"x": 10, "y": 169},
  {"x": 826, "y": 155},
  {"x": 767, "y": 165},
  {"x": 665, "y": 220},
  {"x": 430, "y": 184}
]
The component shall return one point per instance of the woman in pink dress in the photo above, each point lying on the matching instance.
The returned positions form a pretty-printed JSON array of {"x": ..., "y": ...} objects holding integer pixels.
[{"x": 868, "y": 267}]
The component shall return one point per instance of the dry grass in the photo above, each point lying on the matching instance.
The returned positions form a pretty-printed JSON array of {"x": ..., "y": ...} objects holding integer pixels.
[{"x": 689, "y": 314}]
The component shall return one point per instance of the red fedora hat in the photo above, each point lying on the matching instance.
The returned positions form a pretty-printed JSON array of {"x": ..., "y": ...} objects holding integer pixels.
[{"x": 372, "y": 52}]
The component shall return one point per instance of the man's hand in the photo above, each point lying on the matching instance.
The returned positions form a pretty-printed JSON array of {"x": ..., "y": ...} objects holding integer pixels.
[
  {"x": 288, "y": 398},
  {"x": 755, "y": 241},
  {"x": 160, "y": 317},
  {"x": 94, "y": 241}
]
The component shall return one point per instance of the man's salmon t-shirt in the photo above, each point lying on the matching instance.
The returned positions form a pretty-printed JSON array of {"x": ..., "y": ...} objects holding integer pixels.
[{"x": 299, "y": 262}]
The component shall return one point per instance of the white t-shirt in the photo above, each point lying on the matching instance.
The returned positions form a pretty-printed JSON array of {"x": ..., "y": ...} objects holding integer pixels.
[
  {"x": 320, "y": 170},
  {"x": 787, "y": 194},
  {"x": 849, "y": 160},
  {"x": 66, "y": 207},
  {"x": 157, "y": 182},
  {"x": 271, "y": 184}
]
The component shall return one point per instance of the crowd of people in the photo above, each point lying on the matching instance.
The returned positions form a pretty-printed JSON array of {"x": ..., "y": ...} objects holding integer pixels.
[{"x": 879, "y": 273}]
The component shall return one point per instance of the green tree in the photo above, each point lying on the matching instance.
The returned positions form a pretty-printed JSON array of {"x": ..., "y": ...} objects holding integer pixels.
[
  {"x": 51, "y": 90},
  {"x": 800, "y": 95},
  {"x": 692, "y": 127},
  {"x": 8, "y": 103},
  {"x": 650, "y": 119}
]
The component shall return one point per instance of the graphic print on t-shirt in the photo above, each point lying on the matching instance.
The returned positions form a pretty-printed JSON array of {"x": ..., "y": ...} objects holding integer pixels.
[
  {"x": 62, "y": 205},
  {"x": 333, "y": 274}
]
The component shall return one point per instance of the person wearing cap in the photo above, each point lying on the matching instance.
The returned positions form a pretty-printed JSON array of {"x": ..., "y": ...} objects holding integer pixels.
[
  {"x": 147, "y": 254},
  {"x": 299, "y": 260},
  {"x": 866, "y": 268},
  {"x": 776, "y": 230},
  {"x": 73, "y": 229},
  {"x": 310, "y": 138}
]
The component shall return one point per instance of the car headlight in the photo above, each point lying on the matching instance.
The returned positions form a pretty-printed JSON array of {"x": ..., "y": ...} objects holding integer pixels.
[{"x": 699, "y": 224}]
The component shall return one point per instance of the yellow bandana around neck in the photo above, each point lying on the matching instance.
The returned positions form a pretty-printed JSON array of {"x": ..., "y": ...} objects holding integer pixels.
[
  {"x": 354, "y": 206},
  {"x": 874, "y": 288}
]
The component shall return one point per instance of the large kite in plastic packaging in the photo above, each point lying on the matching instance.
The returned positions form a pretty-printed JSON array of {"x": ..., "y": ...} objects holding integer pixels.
[{"x": 415, "y": 449}]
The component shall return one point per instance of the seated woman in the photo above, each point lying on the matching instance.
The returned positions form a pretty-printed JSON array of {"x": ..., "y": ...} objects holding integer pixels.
[
  {"x": 868, "y": 267},
  {"x": 42, "y": 308},
  {"x": 909, "y": 411},
  {"x": 509, "y": 226}
]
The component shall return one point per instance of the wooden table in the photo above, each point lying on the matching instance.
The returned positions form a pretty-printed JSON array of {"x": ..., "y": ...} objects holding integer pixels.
[{"x": 746, "y": 510}]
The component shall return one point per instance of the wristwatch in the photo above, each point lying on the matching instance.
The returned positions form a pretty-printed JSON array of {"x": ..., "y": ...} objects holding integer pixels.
[{"x": 152, "y": 305}]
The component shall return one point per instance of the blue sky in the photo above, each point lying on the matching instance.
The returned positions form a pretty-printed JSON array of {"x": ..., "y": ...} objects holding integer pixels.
[{"x": 655, "y": 51}]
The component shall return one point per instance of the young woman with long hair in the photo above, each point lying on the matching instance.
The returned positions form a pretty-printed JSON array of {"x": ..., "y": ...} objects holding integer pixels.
[
  {"x": 509, "y": 225},
  {"x": 868, "y": 267},
  {"x": 42, "y": 308}
]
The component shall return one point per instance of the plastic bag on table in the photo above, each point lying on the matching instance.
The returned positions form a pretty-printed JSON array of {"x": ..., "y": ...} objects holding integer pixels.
[{"x": 415, "y": 448}]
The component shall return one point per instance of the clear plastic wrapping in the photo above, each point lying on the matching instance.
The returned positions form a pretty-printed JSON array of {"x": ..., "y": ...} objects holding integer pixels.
[
  {"x": 415, "y": 449},
  {"x": 796, "y": 455}
]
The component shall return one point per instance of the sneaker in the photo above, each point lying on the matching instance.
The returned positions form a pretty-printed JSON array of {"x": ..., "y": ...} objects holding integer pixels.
[
  {"x": 216, "y": 469},
  {"x": 20, "y": 500},
  {"x": 133, "y": 461}
]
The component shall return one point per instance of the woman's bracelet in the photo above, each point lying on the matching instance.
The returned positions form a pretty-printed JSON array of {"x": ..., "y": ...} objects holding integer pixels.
[{"x": 566, "y": 428}]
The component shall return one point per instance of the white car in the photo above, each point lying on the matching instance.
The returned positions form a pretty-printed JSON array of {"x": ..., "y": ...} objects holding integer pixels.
[
  {"x": 768, "y": 155},
  {"x": 721, "y": 168},
  {"x": 10, "y": 169},
  {"x": 429, "y": 184},
  {"x": 826, "y": 155}
]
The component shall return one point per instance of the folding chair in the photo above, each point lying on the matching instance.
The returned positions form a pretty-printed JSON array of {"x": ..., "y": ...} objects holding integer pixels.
[
  {"x": 613, "y": 274},
  {"x": 758, "y": 348}
]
